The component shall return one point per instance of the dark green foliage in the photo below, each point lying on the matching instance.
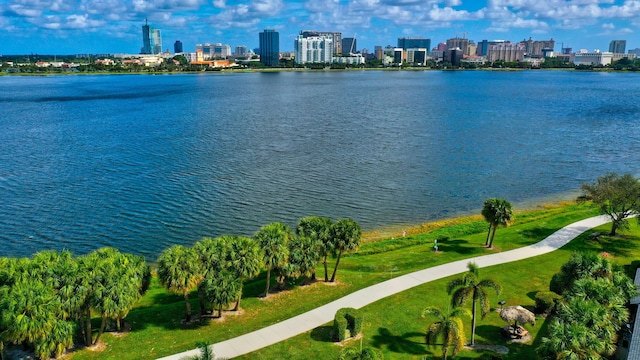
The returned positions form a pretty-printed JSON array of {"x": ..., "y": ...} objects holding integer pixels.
[
  {"x": 347, "y": 323},
  {"x": 497, "y": 212},
  {"x": 547, "y": 302},
  {"x": 616, "y": 196}
]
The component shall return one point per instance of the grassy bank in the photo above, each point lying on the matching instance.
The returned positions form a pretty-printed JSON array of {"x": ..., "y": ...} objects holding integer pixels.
[{"x": 156, "y": 329}]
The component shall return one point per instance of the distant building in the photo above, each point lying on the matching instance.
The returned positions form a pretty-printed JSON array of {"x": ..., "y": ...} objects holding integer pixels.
[
  {"x": 151, "y": 40},
  {"x": 635, "y": 51},
  {"x": 471, "y": 48},
  {"x": 583, "y": 57},
  {"x": 269, "y": 47},
  {"x": 177, "y": 47},
  {"x": 356, "y": 59},
  {"x": 313, "y": 49},
  {"x": 417, "y": 56},
  {"x": 536, "y": 48},
  {"x": 349, "y": 46},
  {"x": 454, "y": 56},
  {"x": 617, "y": 46},
  {"x": 414, "y": 43},
  {"x": 441, "y": 47},
  {"x": 221, "y": 51},
  {"x": 398, "y": 55},
  {"x": 241, "y": 51},
  {"x": 506, "y": 51},
  {"x": 379, "y": 51},
  {"x": 461, "y": 43},
  {"x": 482, "y": 48},
  {"x": 336, "y": 38}
]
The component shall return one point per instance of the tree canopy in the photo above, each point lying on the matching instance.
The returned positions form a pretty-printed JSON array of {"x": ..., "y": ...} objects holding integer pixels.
[{"x": 497, "y": 212}]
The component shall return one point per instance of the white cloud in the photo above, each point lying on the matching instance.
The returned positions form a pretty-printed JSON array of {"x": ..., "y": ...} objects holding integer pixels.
[
  {"x": 247, "y": 15},
  {"x": 219, "y": 4},
  {"x": 608, "y": 26}
]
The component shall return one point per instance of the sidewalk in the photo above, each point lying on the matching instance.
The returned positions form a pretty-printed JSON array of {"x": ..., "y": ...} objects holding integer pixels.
[{"x": 302, "y": 323}]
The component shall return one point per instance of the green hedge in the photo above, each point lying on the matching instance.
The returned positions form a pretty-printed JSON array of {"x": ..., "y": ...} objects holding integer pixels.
[
  {"x": 547, "y": 302},
  {"x": 347, "y": 323}
]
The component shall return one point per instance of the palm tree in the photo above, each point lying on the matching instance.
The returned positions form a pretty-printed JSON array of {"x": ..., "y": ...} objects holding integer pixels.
[
  {"x": 245, "y": 258},
  {"x": 206, "y": 352},
  {"x": 497, "y": 212},
  {"x": 346, "y": 235},
  {"x": 469, "y": 286},
  {"x": 361, "y": 353},
  {"x": 449, "y": 327},
  {"x": 273, "y": 240},
  {"x": 319, "y": 229},
  {"x": 214, "y": 258},
  {"x": 180, "y": 272},
  {"x": 304, "y": 253},
  {"x": 222, "y": 289}
]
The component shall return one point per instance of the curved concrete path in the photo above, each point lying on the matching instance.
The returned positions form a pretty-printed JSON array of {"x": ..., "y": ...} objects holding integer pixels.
[{"x": 310, "y": 320}]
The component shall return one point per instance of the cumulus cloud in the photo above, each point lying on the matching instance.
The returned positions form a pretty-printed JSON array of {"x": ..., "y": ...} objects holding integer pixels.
[
  {"x": 247, "y": 15},
  {"x": 608, "y": 26}
]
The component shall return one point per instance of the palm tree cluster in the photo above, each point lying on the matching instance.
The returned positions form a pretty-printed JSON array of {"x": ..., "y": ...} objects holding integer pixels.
[
  {"x": 46, "y": 302},
  {"x": 497, "y": 212},
  {"x": 449, "y": 325},
  {"x": 592, "y": 312},
  {"x": 217, "y": 268}
]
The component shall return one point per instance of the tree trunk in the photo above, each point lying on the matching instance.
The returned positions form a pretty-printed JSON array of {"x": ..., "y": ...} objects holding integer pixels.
[
  {"x": 326, "y": 274},
  {"x": 486, "y": 242},
  {"x": 266, "y": 292},
  {"x": 203, "y": 309},
  {"x": 493, "y": 234},
  {"x": 235, "y": 308},
  {"x": 188, "y": 305},
  {"x": 88, "y": 338},
  {"x": 102, "y": 326},
  {"x": 118, "y": 323},
  {"x": 614, "y": 227},
  {"x": 335, "y": 270},
  {"x": 219, "y": 311},
  {"x": 313, "y": 275},
  {"x": 473, "y": 322}
]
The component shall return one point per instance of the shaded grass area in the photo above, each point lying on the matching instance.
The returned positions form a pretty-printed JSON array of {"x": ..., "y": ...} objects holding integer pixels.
[
  {"x": 157, "y": 330},
  {"x": 394, "y": 325}
]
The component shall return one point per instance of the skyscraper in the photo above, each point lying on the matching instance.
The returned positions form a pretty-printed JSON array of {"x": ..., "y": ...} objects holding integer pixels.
[
  {"x": 151, "y": 39},
  {"x": 349, "y": 45},
  {"x": 313, "y": 49},
  {"x": 617, "y": 46},
  {"x": 458, "y": 42},
  {"x": 336, "y": 38},
  {"x": 414, "y": 43},
  {"x": 270, "y": 47},
  {"x": 177, "y": 47}
]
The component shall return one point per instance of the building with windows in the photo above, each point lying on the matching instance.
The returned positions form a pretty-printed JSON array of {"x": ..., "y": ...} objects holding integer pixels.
[
  {"x": 349, "y": 46},
  {"x": 583, "y": 57},
  {"x": 241, "y": 51},
  {"x": 617, "y": 46},
  {"x": 414, "y": 43},
  {"x": 336, "y": 38},
  {"x": 151, "y": 40},
  {"x": 417, "y": 56},
  {"x": 355, "y": 59},
  {"x": 379, "y": 51},
  {"x": 177, "y": 47},
  {"x": 506, "y": 52},
  {"x": 269, "y": 47},
  {"x": 536, "y": 48},
  {"x": 461, "y": 43},
  {"x": 453, "y": 56},
  {"x": 313, "y": 49}
]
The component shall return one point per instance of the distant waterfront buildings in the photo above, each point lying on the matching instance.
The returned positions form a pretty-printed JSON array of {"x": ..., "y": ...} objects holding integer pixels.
[
  {"x": 635, "y": 51},
  {"x": 349, "y": 46},
  {"x": 151, "y": 40},
  {"x": 617, "y": 46},
  {"x": 538, "y": 48},
  {"x": 506, "y": 51},
  {"x": 241, "y": 51},
  {"x": 313, "y": 49},
  {"x": 457, "y": 42},
  {"x": 269, "y": 47},
  {"x": 336, "y": 38},
  {"x": 414, "y": 43},
  {"x": 177, "y": 47}
]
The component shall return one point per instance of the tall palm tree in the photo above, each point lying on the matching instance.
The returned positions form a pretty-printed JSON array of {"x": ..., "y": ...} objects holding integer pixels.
[
  {"x": 222, "y": 289},
  {"x": 273, "y": 240},
  {"x": 469, "y": 286},
  {"x": 180, "y": 272},
  {"x": 245, "y": 260},
  {"x": 213, "y": 256},
  {"x": 304, "y": 253},
  {"x": 497, "y": 212},
  {"x": 318, "y": 228},
  {"x": 346, "y": 235},
  {"x": 449, "y": 327}
]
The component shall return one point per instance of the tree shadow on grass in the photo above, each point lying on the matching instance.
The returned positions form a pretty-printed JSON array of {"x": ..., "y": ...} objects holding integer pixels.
[
  {"x": 322, "y": 334},
  {"x": 460, "y": 247},
  {"x": 407, "y": 343}
]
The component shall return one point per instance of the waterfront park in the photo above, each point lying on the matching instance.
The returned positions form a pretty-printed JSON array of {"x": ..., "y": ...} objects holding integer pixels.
[{"x": 169, "y": 314}]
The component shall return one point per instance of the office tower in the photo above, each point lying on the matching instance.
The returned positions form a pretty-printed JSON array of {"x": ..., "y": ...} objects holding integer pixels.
[
  {"x": 177, "y": 47},
  {"x": 313, "y": 49},
  {"x": 414, "y": 43},
  {"x": 349, "y": 46},
  {"x": 617, "y": 46},
  {"x": 156, "y": 41},
  {"x": 221, "y": 51},
  {"x": 241, "y": 51},
  {"x": 270, "y": 47},
  {"x": 537, "y": 48},
  {"x": 336, "y": 38},
  {"x": 461, "y": 43},
  {"x": 151, "y": 39}
]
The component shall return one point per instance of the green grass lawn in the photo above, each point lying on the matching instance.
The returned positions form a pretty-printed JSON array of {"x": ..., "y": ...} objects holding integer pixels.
[{"x": 393, "y": 324}]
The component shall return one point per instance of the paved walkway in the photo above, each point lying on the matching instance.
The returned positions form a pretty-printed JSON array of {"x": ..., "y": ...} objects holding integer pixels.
[{"x": 302, "y": 323}]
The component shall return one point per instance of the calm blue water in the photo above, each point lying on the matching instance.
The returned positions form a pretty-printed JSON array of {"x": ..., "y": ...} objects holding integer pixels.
[{"x": 144, "y": 162}]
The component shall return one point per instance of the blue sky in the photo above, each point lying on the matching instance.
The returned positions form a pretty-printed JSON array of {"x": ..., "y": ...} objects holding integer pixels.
[{"x": 114, "y": 26}]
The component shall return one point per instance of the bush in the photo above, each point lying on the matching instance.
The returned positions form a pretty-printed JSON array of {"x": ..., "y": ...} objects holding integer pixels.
[
  {"x": 347, "y": 323},
  {"x": 547, "y": 302}
]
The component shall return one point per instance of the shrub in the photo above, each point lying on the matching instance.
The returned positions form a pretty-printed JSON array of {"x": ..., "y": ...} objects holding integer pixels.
[
  {"x": 347, "y": 323},
  {"x": 547, "y": 302}
]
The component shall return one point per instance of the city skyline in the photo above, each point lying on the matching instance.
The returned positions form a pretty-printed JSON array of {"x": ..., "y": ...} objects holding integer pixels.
[{"x": 94, "y": 26}]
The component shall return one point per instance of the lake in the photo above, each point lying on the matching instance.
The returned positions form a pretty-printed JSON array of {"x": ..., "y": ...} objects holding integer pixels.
[{"x": 142, "y": 162}]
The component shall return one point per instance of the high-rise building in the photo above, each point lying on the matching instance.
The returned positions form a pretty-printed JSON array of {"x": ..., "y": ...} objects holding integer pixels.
[
  {"x": 349, "y": 46},
  {"x": 457, "y": 42},
  {"x": 506, "y": 51},
  {"x": 177, "y": 47},
  {"x": 221, "y": 51},
  {"x": 270, "y": 47},
  {"x": 336, "y": 38},
  {"x": 617, "y": 46},
  {"x": 313, "y": 49},
  {"x": 537, "y": 48},
  {"x": 241, "y": 51},
  {"x": 414, "y": 43},
  {"x": 379, "y": 52},
  {"x": 151, "y": 39}
]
